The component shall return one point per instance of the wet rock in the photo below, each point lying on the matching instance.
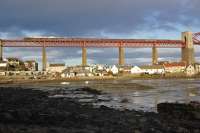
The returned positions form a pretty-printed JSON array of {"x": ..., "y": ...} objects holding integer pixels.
[
  {"x": 90, "y": 90},
  {"x": 6, "y": 117},
  {"x": 125, "y": 100},
  {"x": 180, "y": 117},
  {"x": 137, "y": 131},
  {"x": 32, "y": 111},
  {"x": 189, "y": 111}
]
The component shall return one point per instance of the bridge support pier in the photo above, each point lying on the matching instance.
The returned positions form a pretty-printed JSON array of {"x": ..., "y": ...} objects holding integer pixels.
[
  {"x": 188, "y": 51},
  {"x": 154, "y": 56},
  {"x": 44, "y": 58},
  {"x": 121, "y": 56},
  {"x": 84, "y": 56},
  {"x": 1, "y": 51}
]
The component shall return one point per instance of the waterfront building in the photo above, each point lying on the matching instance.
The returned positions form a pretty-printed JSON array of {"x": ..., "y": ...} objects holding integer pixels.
[
  {"x": 3, "y": 65},
  {"x": 100, "y": 67},
  {"x": 31, "y": 65},
  {"x": 84, "y": 73},
  {"x": 101, "y": 73},
  {"x": 114, "y": 70},
  {"x": 3, "y": 68},
  {"x": 2, "y": 73},
  {"x": 67, "y": 74},
  {"x": 90, "y": 68},
  {"x": 136, "y": 70},
  {"x": 56, "y": 68},
  {"x": 15, "y": 64},
  {"x": 125, "y": 69},
  {"x": 197, "y": 68},
  {"x": 175, "y": 67},
  {"x": 13, "y": 61},
  {"x": 190, "y": 70},
  {"x": 77, "y": 71},
  {"x": 153, "y": 69}
]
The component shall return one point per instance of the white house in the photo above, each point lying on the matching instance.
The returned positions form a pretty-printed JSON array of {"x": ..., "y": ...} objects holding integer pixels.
[
  {"x": 3, "y": 65},
  {"x": 31, "y": 65},
  {"x": 3, "y": 68},
  {"x": 2, "y": 73},
  {"x": 90, "y": 68},
  {"x": 136, "y": 70},
  {"x": 77, "y": 71},
  {"x": 114, "y": 70},
  {"x": 68, "y": 75},
  {"x": 100, "y": 67},
  {"x": 56, "y": 68},
  {"x": 190, "y": 70},
  {"x": 155, "y": 69}
]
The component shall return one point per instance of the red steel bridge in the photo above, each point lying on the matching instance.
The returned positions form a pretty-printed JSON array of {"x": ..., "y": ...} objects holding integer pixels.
[
  {"x": 95, "y": 42},
  {"x": 188, "y": 38},
  {"x": 196, "y": 38},
  {"x": 90, "y": 42}
]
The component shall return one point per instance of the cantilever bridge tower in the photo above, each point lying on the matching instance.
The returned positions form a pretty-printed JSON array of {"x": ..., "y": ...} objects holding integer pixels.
[{"x": 188, "y": 50}]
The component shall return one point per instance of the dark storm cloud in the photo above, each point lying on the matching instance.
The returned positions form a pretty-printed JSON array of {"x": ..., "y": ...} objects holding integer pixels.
[
  {"x": 97, "y": 18},
  {"x": 91, "y": 17}
]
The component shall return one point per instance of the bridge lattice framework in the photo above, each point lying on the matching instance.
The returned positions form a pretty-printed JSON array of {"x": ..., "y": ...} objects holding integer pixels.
[{"x": 186, "y": 44}]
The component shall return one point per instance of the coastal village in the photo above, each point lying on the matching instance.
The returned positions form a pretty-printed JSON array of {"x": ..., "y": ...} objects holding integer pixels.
[{"x": 16, "y": 68}]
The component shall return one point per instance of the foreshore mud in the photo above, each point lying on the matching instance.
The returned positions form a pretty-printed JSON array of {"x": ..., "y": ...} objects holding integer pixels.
[{"x": 35, "y": 111}]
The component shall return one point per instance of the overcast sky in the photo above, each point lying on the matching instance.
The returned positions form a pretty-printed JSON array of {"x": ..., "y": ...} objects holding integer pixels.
[{"x": 162, "y": 19}]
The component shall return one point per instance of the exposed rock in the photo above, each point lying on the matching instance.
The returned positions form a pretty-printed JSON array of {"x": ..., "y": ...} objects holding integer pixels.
[
  {"x": 90, "y": 90},
  {"x": 32, "y": 111},
  {"x": 125, "y": 100}
]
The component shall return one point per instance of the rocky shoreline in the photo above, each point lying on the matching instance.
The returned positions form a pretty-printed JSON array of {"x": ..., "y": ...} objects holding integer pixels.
[{"x": 33, "y": 111}]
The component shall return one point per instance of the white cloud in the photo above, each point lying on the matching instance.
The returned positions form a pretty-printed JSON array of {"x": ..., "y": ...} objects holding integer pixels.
[
  {"x": 91, "y": 51},
  {"x": 138, "y": 50},
  {"x": 77, "y": 61}
]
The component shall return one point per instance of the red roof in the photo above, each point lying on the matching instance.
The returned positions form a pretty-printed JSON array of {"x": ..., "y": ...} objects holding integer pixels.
[{"x": 175, "y": 64}]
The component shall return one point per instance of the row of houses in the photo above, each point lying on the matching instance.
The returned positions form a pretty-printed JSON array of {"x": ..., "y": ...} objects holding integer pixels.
[
  {"x": 60, "y": 70},
  {"x": 175, "y": 67},
  {"x": 15, "y": 64}
]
